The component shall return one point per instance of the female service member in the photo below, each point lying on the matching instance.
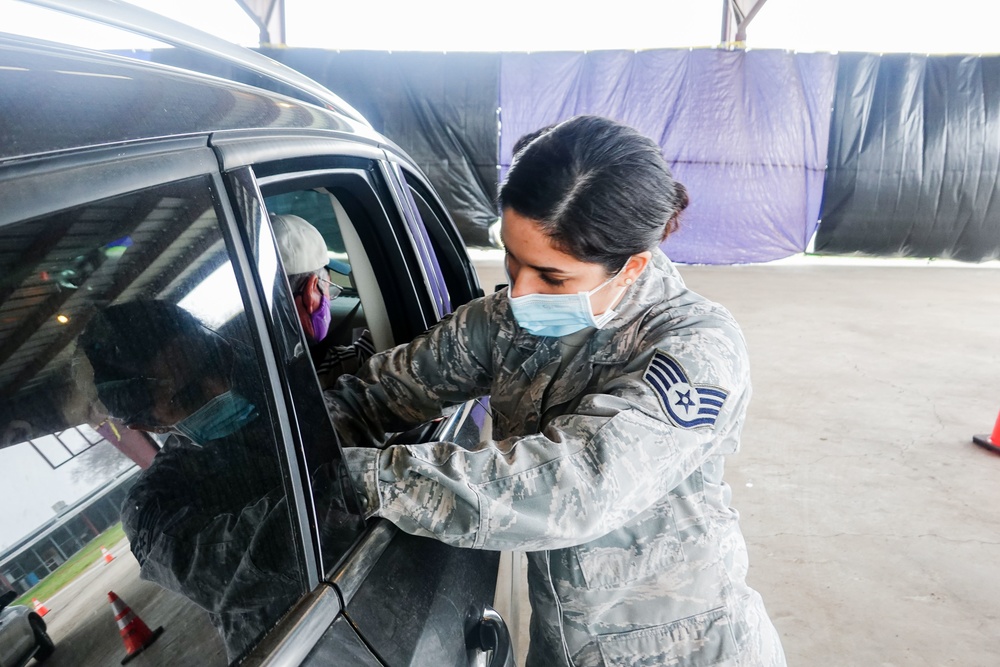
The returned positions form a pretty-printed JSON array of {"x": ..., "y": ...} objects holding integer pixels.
[{"x": 616, "y": 393}]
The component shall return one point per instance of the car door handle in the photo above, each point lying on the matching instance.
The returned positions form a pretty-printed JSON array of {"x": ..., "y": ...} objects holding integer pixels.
[{"x": 494, "y": 637}]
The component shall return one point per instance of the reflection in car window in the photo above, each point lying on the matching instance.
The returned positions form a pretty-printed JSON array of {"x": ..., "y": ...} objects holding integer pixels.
[
  {"x": 136, "y": 426},
  {"x": 431, "y": 267}
]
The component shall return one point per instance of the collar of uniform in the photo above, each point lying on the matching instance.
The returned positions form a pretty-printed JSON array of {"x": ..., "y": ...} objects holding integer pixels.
[
  {"x": 613, "y": 344},
  {"x": 660, "y": 282}
]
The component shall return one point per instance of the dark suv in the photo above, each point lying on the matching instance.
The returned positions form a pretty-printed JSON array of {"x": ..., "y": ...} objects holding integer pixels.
[{"x": 129, "y": 186}]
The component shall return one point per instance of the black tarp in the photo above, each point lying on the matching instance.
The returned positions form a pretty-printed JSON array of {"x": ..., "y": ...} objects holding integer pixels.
[
  {"x": 440, "y": 108},
  {"x": 914, "y": 158}
]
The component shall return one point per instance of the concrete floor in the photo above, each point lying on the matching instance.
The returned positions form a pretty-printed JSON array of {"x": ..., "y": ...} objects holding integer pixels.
[
  {"x": 873, "y": 522},
  {"x": 82, "y": 623}
]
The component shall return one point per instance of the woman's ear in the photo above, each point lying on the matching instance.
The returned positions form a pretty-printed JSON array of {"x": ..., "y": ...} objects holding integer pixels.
[
  {"x": 307, "y": 300},
  {"x": 311, "y": 294},
  {"x": 634, "y": 268}
]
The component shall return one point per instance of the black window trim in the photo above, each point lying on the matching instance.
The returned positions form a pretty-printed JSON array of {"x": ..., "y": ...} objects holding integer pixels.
[
  {"x": 237, "y": 148},
  {"x": 256, "y": 300}
]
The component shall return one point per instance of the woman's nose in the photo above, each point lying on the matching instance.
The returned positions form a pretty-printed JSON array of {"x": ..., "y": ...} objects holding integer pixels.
[
  {"x": 521, "y": 285},
  {"x": 515, "y": 289},
  {"x": 523, "y": 281}
]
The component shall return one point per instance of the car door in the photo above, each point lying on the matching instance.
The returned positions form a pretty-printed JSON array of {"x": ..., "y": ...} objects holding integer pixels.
[
  {"x": 133, "y": 253},
  {"x": 412, "y": 600},
  {"x": 246, "y": 545}
]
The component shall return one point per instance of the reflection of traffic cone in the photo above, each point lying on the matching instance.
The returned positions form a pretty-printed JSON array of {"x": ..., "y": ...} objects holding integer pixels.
[
  {"x": 991, "y": 442},
  {"x": 136, "y": 634},
  {"x": 107, "y": 555},
  {"x": 40, "y": 609}
]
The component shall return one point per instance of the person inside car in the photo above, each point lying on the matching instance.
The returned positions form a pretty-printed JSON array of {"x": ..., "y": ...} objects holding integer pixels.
[
  {"x": 209, "y": 518},
  {"x": 616, "y": 394},
  {"x": 304, "y": 256}
]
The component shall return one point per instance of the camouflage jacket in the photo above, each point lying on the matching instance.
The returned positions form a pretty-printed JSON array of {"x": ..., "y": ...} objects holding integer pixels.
[
  {"x": 606, "y": 465},
  {"x": 205, "y": 522}
]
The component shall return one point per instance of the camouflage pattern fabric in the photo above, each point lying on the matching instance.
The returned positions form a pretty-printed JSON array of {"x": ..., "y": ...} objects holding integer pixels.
[
  {"x": 204, "y": 522},
  {"x": 606, "y": 465}
]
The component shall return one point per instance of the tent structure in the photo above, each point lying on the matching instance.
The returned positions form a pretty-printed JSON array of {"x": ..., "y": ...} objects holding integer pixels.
[
  {"x": 269, "y": 16},
  {"x": 885, "y": 155}
]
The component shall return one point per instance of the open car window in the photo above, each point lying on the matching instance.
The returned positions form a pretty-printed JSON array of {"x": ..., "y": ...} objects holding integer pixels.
[
  {"x": 359, "y": 323},
  {"x": 139, "y": 434},
  {"x": 378, "y": 257}
]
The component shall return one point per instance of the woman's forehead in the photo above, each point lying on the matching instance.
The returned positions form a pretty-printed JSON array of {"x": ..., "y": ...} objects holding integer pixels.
[{"x": 524, "y": 239}]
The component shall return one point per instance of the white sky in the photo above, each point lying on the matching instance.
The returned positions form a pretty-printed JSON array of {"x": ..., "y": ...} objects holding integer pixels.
[
  {"x": 31, "y": 487},
  {"x": 921, "y": 26}
]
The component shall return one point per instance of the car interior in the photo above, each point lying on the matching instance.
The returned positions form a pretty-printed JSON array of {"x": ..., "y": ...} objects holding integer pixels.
[{"x": 359, "y": 305}]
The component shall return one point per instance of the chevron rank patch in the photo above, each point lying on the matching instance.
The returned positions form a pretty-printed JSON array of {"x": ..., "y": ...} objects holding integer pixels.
[{"x": 687, "y": 405}]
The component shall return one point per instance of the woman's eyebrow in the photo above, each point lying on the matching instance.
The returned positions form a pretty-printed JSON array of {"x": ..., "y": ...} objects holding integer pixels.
[
  {"x": 540, "y": 269},
  {"x": 548, "y": 269}
]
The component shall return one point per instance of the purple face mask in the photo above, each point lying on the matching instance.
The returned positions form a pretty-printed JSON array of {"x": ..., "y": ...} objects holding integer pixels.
[{"x": 320, "y": 319}]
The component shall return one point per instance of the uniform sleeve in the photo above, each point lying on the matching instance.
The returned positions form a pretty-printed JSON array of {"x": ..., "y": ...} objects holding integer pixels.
[
  {"x": 586, "y": 473},
  {"x": 411, "y": 384},
  {"x": 220, "y": 562}
]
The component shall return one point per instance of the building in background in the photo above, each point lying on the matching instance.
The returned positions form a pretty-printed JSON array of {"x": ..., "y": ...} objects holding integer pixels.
[{"x": 39, "y": 553}]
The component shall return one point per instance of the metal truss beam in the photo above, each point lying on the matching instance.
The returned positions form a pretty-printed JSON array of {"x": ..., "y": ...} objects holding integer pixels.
[{"x": 736, "y": 16}]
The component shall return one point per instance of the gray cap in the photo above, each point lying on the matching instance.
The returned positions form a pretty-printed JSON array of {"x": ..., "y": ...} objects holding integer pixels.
[{"x": 302, "y": 247}]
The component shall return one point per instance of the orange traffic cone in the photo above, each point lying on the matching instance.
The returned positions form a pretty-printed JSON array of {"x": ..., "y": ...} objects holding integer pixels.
[
  {"x": 990, "y": 442},
  {"x": 136, "y": 634},
  {"x": 40, "y": 609},
  {"x": 107, "y": 555}
]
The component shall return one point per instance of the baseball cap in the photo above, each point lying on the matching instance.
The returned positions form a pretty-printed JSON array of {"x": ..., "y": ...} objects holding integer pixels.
[{"x": 302, "y": 247}]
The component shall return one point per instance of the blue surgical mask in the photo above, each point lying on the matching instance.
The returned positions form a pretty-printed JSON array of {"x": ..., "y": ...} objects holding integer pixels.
[
  {"x": 223, "y": 415},
  {"x": 559, "y": 315}
]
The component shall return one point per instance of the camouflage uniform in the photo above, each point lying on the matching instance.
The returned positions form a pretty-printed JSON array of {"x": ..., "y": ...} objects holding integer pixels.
[
  {"x": 606, "y": 466},
  {"x": 204, "y": 522}
]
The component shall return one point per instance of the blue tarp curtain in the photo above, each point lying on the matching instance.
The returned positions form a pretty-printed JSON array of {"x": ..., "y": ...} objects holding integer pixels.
[{"x": 746, "y": 132}]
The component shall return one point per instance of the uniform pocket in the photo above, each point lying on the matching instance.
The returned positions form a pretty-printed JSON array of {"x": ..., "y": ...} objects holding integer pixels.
[
  {"x": 645, "y": 547},
  {"x": 705, "y": 640}
]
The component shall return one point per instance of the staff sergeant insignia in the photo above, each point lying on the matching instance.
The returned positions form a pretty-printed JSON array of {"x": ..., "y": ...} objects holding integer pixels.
[{"x": 687, "y": 405}]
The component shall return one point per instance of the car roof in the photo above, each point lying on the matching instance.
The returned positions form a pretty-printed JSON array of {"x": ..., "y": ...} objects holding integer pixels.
[{"x": 56, "y": 97}]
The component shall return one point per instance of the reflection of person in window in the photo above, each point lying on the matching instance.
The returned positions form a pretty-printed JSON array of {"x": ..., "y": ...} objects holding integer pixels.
[
  {"x": 209, "y": 518},
  {"x": 304, "y": 256}
]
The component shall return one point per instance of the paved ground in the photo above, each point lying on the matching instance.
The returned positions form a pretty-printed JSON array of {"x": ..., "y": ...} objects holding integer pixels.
[
  {"x": 82, "y": 625},
  {"x": 872, "y": 519}
]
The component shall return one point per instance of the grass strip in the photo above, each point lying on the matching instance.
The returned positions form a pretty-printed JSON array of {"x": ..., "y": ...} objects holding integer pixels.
[{"x": 73, "y": 567}]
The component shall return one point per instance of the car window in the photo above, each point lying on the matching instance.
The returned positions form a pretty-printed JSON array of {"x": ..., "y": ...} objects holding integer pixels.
[
  {"x": 349, "y": 326},
  {"x": 370, "y": 254},
  {"x": 383, "y": 295},
  {"x": 146, "y": 482},
  {"x": 358, "y": 323},
  {"x": 430, "y": 265}
]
